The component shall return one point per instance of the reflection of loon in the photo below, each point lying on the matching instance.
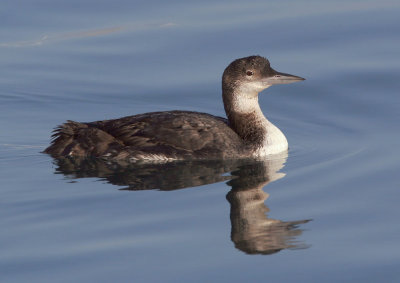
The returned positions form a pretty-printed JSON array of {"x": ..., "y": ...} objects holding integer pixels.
[
  {"x": 183, "y": 135},
  {"x": 252, "y": 231}
]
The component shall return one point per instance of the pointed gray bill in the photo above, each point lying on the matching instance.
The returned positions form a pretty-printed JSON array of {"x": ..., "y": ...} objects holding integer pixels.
[{"x": 282, "y": 78}]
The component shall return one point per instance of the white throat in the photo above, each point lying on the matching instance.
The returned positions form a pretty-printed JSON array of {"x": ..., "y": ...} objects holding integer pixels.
[{"x": 247, "y": 102}]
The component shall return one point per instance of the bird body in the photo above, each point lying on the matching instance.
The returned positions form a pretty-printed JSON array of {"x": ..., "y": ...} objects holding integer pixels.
[{"x": 184, "y": 135}]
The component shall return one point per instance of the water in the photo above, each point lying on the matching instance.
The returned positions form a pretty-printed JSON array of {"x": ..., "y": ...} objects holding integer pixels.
[{"x": 90, "y": 60}]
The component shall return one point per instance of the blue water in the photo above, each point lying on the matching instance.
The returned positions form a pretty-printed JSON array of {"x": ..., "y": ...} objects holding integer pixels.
[{"x": 90, "y": 60}]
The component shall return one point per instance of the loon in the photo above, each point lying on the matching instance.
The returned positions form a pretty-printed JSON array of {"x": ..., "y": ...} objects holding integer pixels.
[{"x": 186, "y": 135}]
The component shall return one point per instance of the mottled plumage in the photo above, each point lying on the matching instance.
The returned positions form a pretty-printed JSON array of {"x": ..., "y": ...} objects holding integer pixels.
[{"x": 154, "y": 136}]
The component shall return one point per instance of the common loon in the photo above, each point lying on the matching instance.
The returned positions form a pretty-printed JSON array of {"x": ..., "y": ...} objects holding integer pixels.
[{"x": 185, "y": 135}]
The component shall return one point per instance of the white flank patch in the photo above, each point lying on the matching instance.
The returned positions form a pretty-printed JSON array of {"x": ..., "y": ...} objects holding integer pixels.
[{"x": 152, "y": 157}]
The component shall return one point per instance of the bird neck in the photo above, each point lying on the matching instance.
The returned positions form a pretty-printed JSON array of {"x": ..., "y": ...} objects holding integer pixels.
[
  {"x": 245, "y": 115},
  {"x": 247, "y": 120}
]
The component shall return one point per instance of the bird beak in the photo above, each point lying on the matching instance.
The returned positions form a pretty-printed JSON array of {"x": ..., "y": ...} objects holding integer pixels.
[{"x": 281, "y": 78}]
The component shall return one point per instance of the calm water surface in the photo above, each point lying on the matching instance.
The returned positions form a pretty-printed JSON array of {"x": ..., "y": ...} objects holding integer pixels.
[{"x": 85, "y": 221}]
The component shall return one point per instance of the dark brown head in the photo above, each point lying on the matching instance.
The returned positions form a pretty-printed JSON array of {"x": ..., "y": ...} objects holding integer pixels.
[{"x": 253, "y": 74}]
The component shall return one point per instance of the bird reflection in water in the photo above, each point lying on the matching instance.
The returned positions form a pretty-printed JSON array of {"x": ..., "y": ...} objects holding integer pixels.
[{"x": 252, "y": 231}]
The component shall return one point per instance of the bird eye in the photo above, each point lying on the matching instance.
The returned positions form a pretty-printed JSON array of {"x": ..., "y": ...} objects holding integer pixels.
[{"x": 249, "y": 73}]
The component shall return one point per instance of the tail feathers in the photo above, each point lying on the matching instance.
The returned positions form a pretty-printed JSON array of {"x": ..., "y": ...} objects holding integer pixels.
[{"x": 79, "y": 139}]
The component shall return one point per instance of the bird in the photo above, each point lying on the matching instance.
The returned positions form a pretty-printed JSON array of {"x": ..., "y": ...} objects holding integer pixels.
[{"x": 186, "y": 135}]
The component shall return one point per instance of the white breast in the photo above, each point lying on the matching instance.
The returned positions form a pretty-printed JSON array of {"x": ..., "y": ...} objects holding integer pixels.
[{"x": 275, "y": 141}]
